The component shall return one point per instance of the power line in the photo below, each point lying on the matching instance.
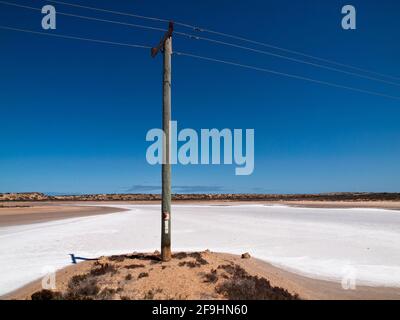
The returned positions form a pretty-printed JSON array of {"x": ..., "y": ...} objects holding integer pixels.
[
  {"x": 190, "y": 36},
  {"x": 285, "y": 74},
  {"x": 86, "y": 17},
  {"x": 222, "y": 34},
  {"x": 291, "y": 51},
  {"x": 76, "y": 38},
  {"x": 205, "y": 58},
  {"x": 108, "y": 11},
  {"x": 285, "y": 57}
]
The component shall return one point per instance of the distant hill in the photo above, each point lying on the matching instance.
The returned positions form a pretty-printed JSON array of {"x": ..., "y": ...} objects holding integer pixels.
[{"x": 339, "y": 196}]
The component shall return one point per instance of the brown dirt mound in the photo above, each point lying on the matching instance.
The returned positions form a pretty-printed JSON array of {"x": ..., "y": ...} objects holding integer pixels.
[{"x": 196, "y": 275}]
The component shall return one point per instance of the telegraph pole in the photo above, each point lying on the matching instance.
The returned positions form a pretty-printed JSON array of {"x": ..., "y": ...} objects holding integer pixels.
[{"x": 165, "y": 45}]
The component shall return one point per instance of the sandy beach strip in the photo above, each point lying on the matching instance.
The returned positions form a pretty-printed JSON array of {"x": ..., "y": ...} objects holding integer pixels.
[{"x": 28, "y": 213}]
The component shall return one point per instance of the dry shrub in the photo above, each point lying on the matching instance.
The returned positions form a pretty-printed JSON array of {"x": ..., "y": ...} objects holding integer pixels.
[
  {"x": 149, "y": 295},
  {"x": 106, "y": 294},
  {"x": 134, "y": 266},
  {"x": 118, "y": 258},
  {"x": 211, "y": 277},
  {"x": 83, "y": 288},
  {"x": 143, "y": 275},
  {"x": 46, "y": 295},
  {"x": 180, "y": 255},
  {"x": 102, "y": 269},
  {"x": 128, "y": 277},
  {"x": 199, "y": 260},
  {"x": 242, "y": 286},
  {"x": 143, "y": 256}
]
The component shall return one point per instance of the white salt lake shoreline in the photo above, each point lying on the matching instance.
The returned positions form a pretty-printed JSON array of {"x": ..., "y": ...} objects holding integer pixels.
[{"x": 321, "y": 243}]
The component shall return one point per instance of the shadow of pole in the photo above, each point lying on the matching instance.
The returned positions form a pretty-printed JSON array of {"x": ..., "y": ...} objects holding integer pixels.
[{"x": 74, "y": 258}]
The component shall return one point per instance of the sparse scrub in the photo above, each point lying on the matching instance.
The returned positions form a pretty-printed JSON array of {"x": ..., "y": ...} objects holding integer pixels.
[
  {"x": 143, "y": 275},
  {"x": 134, "y": 266},
  {"x": 180, "y": 255},
  {"x": 75, "y": 280},
  {"x": 106, "y": 294},
  {"x": 102, "y": 269},
  {"x": 143, "y": 256},
  {"x": 211, "y": 277},
  {"x": 190, "y": 264},
  {"x": 85, "y": 287},
  {"x": 117, "y": 258},
  {"x": 46, "y": 295},
  {"x": 128, "y": 277},
  {"x": 199, "y": 260},
  {"x": 151, "y": 294},
  {"x": 242, "y": 286}
]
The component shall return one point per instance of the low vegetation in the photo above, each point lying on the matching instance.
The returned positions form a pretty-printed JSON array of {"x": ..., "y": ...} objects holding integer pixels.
[{"x": 242, "y": 286}]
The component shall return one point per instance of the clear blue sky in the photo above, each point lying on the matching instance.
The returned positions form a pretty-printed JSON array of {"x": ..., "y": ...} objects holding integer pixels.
[{"x": 74, "y": 115}]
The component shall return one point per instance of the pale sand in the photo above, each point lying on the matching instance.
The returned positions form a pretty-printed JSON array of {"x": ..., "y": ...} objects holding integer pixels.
[{"x": 183, "y": 282}]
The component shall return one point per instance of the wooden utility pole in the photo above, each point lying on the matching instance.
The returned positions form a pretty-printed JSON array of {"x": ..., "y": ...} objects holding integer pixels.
[{"x": 166, "y": 46}]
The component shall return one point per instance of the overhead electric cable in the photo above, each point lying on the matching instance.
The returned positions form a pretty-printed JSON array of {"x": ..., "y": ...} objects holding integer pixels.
[
  {"x": 191, "y": 36},
  {"x": 285, "y": 74},
  {"x": 86, "y": 17},
  {"x": 76, "y": 38},
  {"x": 286, "y": 58},
  {"x": 108, "y": 11},
  {"x": 223, "y": 34}
]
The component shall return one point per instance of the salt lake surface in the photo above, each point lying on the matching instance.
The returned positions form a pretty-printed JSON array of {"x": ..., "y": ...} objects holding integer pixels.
[{"x": 320, "y": 243}]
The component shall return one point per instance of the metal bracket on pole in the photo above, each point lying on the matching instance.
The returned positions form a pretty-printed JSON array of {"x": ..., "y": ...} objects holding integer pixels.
[{"x": 167, "y": 35}]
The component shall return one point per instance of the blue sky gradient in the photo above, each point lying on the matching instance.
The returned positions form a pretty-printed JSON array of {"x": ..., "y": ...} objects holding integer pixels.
[{"x": 74, "y": 114}]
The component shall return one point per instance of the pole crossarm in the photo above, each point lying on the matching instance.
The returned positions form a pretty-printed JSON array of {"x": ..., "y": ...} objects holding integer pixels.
[{"x": 160, "y": 47}]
